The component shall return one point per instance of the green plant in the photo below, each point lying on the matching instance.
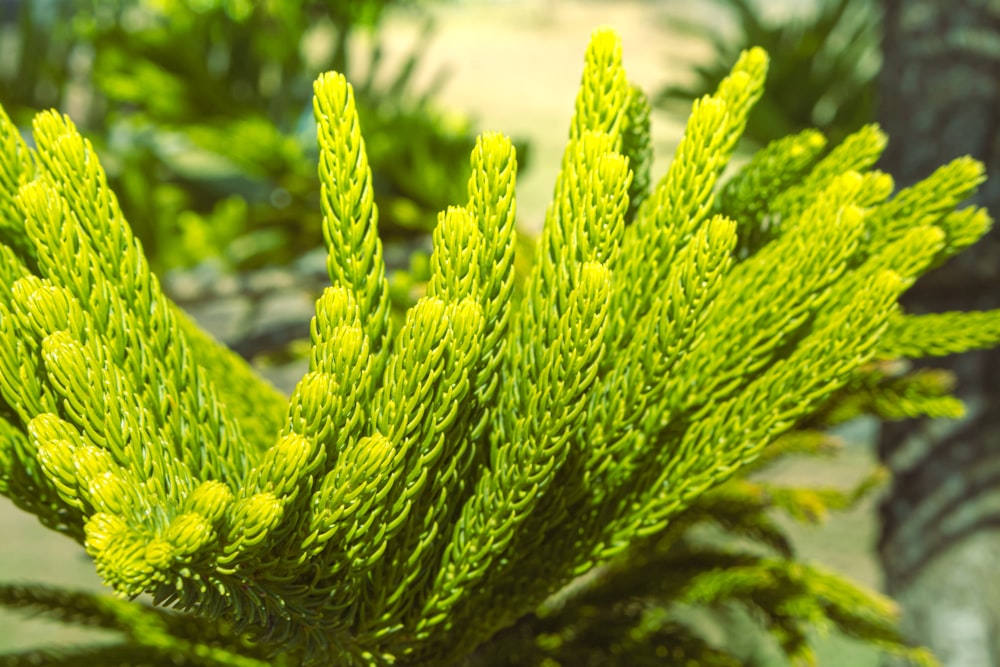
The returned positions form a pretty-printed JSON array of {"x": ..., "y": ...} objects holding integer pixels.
[
  {"x": 824, "y": 79},
  {"x": 495, "y": 457},
  {"x": 200, "y": 110}
]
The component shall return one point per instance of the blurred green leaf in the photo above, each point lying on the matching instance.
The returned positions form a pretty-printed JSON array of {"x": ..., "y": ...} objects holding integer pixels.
[{"x": 824, "y": 77}]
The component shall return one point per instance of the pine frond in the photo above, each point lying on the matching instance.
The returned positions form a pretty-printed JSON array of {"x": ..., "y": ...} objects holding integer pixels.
[
  {"x": 126, "y": 655},
  {"x": 748, "y": 196},
  {"x": 350, "y": 216},
  {"x": 939, "y": 334},
  {"x": 637, "y": 147},
  {"x": 153, "y": 636},
  {"x": 16, "y": 168},
  {"x": 792, "y": 597}
]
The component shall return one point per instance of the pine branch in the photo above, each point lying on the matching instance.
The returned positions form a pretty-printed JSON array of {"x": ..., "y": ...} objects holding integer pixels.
[{"x": 423, "y": 488}]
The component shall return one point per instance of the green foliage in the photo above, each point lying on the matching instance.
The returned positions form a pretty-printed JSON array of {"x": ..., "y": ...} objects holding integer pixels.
[
  {"x": 489, "y": 458},
  {"x": 151, "y": 636},
  {"x": 200, "y": 111},
  {"x": 824, "y": 78},
  {"x": 720, "y": 586}
]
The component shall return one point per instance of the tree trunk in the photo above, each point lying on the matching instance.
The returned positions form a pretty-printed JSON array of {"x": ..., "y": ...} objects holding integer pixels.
[{"x": 940, "y": 541}]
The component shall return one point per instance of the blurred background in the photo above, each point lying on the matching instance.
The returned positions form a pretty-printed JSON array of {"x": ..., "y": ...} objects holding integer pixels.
[{"x": 201, "y": 113}]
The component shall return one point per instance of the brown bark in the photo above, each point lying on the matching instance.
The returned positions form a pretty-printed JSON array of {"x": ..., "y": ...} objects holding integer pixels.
[{"x": 940, "y": 542}]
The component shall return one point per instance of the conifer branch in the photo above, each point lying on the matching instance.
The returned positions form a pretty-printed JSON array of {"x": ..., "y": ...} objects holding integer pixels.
[{"x": 422, "y": 489}]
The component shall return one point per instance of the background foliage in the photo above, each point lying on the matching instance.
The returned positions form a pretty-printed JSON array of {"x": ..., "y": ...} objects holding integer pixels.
[{"x": 825, "y": 78}]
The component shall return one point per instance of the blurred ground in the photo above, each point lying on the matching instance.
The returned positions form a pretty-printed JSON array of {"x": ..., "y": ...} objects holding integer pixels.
[{"x": 515, "y": 67}]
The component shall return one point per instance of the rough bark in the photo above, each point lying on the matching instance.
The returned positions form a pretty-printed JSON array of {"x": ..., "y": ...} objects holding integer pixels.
[{"x": 940, "y": 541}]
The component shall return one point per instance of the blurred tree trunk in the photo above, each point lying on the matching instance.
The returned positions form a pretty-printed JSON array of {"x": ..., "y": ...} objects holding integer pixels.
[{"x": 940, "y": 543}]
